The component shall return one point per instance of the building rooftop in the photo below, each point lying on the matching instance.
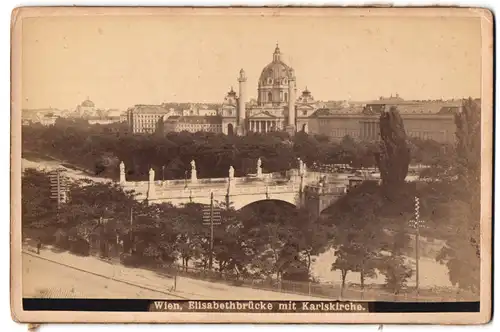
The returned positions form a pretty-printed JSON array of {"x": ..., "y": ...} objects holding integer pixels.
[
  {"x": 150, "y": 109},
  {"x": 195, "y": 119}
]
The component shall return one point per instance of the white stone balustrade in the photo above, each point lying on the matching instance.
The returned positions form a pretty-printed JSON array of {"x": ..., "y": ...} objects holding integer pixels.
[{"x": 241, "y": 191}]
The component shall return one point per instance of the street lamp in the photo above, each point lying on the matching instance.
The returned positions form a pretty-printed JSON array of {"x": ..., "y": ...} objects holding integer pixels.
[
  {"x": 417, "y": 223},
  {"x": 163, "y": 173},
  {"x": 185, "y": 179}
]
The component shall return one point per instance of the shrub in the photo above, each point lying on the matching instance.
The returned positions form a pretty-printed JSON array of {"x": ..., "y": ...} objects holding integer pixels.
[{"x": 79, "y": 247}]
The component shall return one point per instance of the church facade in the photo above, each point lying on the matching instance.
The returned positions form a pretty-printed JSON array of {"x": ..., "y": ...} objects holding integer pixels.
[{"x": 277, "y": 107}]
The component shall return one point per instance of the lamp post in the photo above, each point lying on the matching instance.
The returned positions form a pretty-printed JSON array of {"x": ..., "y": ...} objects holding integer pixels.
[
  {"x": 163, "y": 173},
  {"x": 417, "y": 223},
  {"x": 185, "y": 179}
]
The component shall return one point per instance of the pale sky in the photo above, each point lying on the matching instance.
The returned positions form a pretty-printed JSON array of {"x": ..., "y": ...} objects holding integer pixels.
[{"x": 121, "y": 61}]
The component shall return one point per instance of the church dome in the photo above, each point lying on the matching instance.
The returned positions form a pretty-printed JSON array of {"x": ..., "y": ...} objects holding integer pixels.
[
  {"x": 277, "y": 72},
  {"x": 88, "y": 103}
]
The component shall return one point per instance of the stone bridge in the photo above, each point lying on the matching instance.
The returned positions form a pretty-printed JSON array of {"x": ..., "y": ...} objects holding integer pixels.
[{"x": 313, "y": 190}]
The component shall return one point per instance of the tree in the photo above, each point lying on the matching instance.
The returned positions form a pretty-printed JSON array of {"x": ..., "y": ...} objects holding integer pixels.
[
  {"x": 191, "y": 238},
  {"x": 155, "y": 234},
  {"x": 393, "y": 264},
  {"x": 396, "y": 272},
  {"x": 462, "y": 251},
  {"x": 393, "y": 156},
  {"x": 37, "y": 208},
  {"x": 358, "y": 233},
  {"x": 343, "y": 263}
]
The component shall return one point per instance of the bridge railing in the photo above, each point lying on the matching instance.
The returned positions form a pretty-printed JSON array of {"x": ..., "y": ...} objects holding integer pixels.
[{"x": 195, "y": 191}]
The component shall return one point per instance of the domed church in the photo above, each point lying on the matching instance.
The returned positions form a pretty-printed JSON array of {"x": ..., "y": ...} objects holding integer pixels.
[{"x": 277, "y": 107}]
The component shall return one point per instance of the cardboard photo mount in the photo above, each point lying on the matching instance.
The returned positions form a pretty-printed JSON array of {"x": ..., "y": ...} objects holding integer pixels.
[{"x": 20, "y": 15}]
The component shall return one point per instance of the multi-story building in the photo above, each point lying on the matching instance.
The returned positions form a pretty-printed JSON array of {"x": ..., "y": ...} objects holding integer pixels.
[
  {"x": 192, "y": 124},
  {"x": 153, "y": 118},
  {"x": 147, "y": 118},
  {"x": 199, "y": 110},
  {"x": 424, "y": 120}
]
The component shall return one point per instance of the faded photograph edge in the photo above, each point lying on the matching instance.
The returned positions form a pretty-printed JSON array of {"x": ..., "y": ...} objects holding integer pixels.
[{"x": 214, "y": 208}]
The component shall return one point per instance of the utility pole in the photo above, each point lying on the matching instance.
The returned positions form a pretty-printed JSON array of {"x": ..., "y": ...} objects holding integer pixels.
[
  {"x": 417, "y": 223},
  {"x": 211, "y": 217},
  {"x": 131, "y": 233},
  {"x": 57, "y": 187}
]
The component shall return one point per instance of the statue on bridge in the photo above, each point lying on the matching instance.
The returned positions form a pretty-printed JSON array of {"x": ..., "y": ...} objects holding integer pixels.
[
  {"x": 231, "y": 179},
  {"x": 151, "y": 175},
  {"x": 194, "y": 177},
  {"x": 301, "y": 166},
  {"x": 151, "y": 195},
  {"x": 259, "y": 168},
  {"x": 122, "y": 173}
]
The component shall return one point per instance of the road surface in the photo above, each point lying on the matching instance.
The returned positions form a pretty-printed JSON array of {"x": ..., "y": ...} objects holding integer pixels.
[
  {"x": 62, "y": 274},
  {"x": 45, "y": 279}
]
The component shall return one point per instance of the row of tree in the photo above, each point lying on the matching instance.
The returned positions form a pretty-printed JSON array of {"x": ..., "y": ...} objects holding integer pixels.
[
  {"x": 266, "y": 239},
  {"x": 99, "y": 149},
  {"x": 260, "y": 240},
  {"x": 449, "y": 204}
]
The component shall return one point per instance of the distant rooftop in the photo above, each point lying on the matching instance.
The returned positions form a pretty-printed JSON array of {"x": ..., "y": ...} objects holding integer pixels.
[
  {"x": 195, "y": 119},
  {"x": 151, "y": 109}
]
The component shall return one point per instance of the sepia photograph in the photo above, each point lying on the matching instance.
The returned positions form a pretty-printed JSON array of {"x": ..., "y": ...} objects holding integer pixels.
[{"x": 291, "y": 165}]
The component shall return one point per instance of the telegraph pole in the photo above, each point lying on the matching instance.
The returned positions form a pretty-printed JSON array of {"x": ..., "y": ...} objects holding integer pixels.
[
  {"x": 211, "y": 217},
  {"x": 57, "y": 187},
  {"x": 417, "y": 223},
  {"x": 131, "y": 224}
]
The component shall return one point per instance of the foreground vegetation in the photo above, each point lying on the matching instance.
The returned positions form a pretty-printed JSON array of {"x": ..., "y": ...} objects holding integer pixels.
[{"x": 99, "y": 149}]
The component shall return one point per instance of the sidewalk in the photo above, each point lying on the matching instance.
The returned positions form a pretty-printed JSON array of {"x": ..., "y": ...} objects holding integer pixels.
[
  {"x": 44, "y": 279},
  {"x": 185, "y": 287},
  {"x": 139, "y": 277}
]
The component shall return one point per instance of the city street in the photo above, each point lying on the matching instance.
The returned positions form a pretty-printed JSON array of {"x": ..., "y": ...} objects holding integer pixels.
[{"x": 63, "y": 275}]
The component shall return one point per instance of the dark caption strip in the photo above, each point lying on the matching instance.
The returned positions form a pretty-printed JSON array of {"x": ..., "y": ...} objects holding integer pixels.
[{"x": 111, "y": 305}]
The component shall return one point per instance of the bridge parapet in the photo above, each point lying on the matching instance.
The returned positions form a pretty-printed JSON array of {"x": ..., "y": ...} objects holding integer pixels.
[
  {"x": 242, "y": 190},
  {"x": 339, "y": 189}
]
